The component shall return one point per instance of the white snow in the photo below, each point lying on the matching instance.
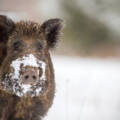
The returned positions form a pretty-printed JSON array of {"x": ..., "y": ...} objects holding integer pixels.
[
  {"x": 26, "y": 88},
  {"x": 86, "y": 89}
]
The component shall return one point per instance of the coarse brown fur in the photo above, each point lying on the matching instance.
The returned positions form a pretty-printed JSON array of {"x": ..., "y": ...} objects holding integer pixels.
[{"x": 23, "y": 38}]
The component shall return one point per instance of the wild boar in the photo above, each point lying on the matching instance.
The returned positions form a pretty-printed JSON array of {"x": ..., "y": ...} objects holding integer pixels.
[{"x": 27, "y": 83}]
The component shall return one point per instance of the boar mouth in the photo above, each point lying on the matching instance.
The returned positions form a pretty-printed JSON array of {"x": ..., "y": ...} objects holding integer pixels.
[{"x": 12, "y": 82}]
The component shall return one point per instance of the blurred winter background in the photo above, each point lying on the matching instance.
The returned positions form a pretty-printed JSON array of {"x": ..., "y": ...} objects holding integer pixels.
[{"x": 86, "y": 61}]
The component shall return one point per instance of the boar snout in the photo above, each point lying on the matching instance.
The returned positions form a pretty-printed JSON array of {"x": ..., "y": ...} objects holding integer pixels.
[
  {"x": 30, "y": 76},
  {"x": 27, "y": 76}
]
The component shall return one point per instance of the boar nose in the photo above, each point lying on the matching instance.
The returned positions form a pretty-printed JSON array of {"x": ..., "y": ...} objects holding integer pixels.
[{"x": 30, "y": 77}]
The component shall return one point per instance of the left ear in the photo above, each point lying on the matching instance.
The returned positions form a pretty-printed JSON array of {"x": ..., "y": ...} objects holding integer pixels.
[{"x": 51, "y": 29}]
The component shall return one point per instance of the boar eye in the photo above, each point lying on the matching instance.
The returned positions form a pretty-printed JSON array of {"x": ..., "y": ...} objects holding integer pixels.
[
  {"x": 16, "y": 45},
  {"x": 38, "y": 46}
]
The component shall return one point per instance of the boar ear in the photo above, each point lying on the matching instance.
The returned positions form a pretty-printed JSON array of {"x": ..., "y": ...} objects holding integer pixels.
[
  {"x": 51, "y": 29},
  {"x": 6, "y": 27}
]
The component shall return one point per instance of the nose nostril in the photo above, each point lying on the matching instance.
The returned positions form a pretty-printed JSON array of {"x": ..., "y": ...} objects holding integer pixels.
[
  {"x": 26, "y": 77},
  {"x": 34, "y": 77}
]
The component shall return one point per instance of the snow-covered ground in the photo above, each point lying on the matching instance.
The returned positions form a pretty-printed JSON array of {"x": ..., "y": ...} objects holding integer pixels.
[{"x": 86, "y": 89}]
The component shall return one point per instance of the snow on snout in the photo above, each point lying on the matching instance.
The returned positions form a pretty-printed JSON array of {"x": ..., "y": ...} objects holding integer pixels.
[{"x": 28, "y": 60}]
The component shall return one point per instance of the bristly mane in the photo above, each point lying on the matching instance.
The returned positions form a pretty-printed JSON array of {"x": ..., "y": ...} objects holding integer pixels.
[{"x": 27, "y": 28}]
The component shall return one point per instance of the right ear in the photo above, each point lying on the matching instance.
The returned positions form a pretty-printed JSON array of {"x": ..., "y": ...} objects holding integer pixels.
[{"x": 6, "y": 28}]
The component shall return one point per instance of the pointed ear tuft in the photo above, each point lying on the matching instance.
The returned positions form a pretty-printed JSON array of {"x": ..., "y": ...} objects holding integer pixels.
[
  {"x": 6, "y": 27},
  {"x": 51, "y": 29}
]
